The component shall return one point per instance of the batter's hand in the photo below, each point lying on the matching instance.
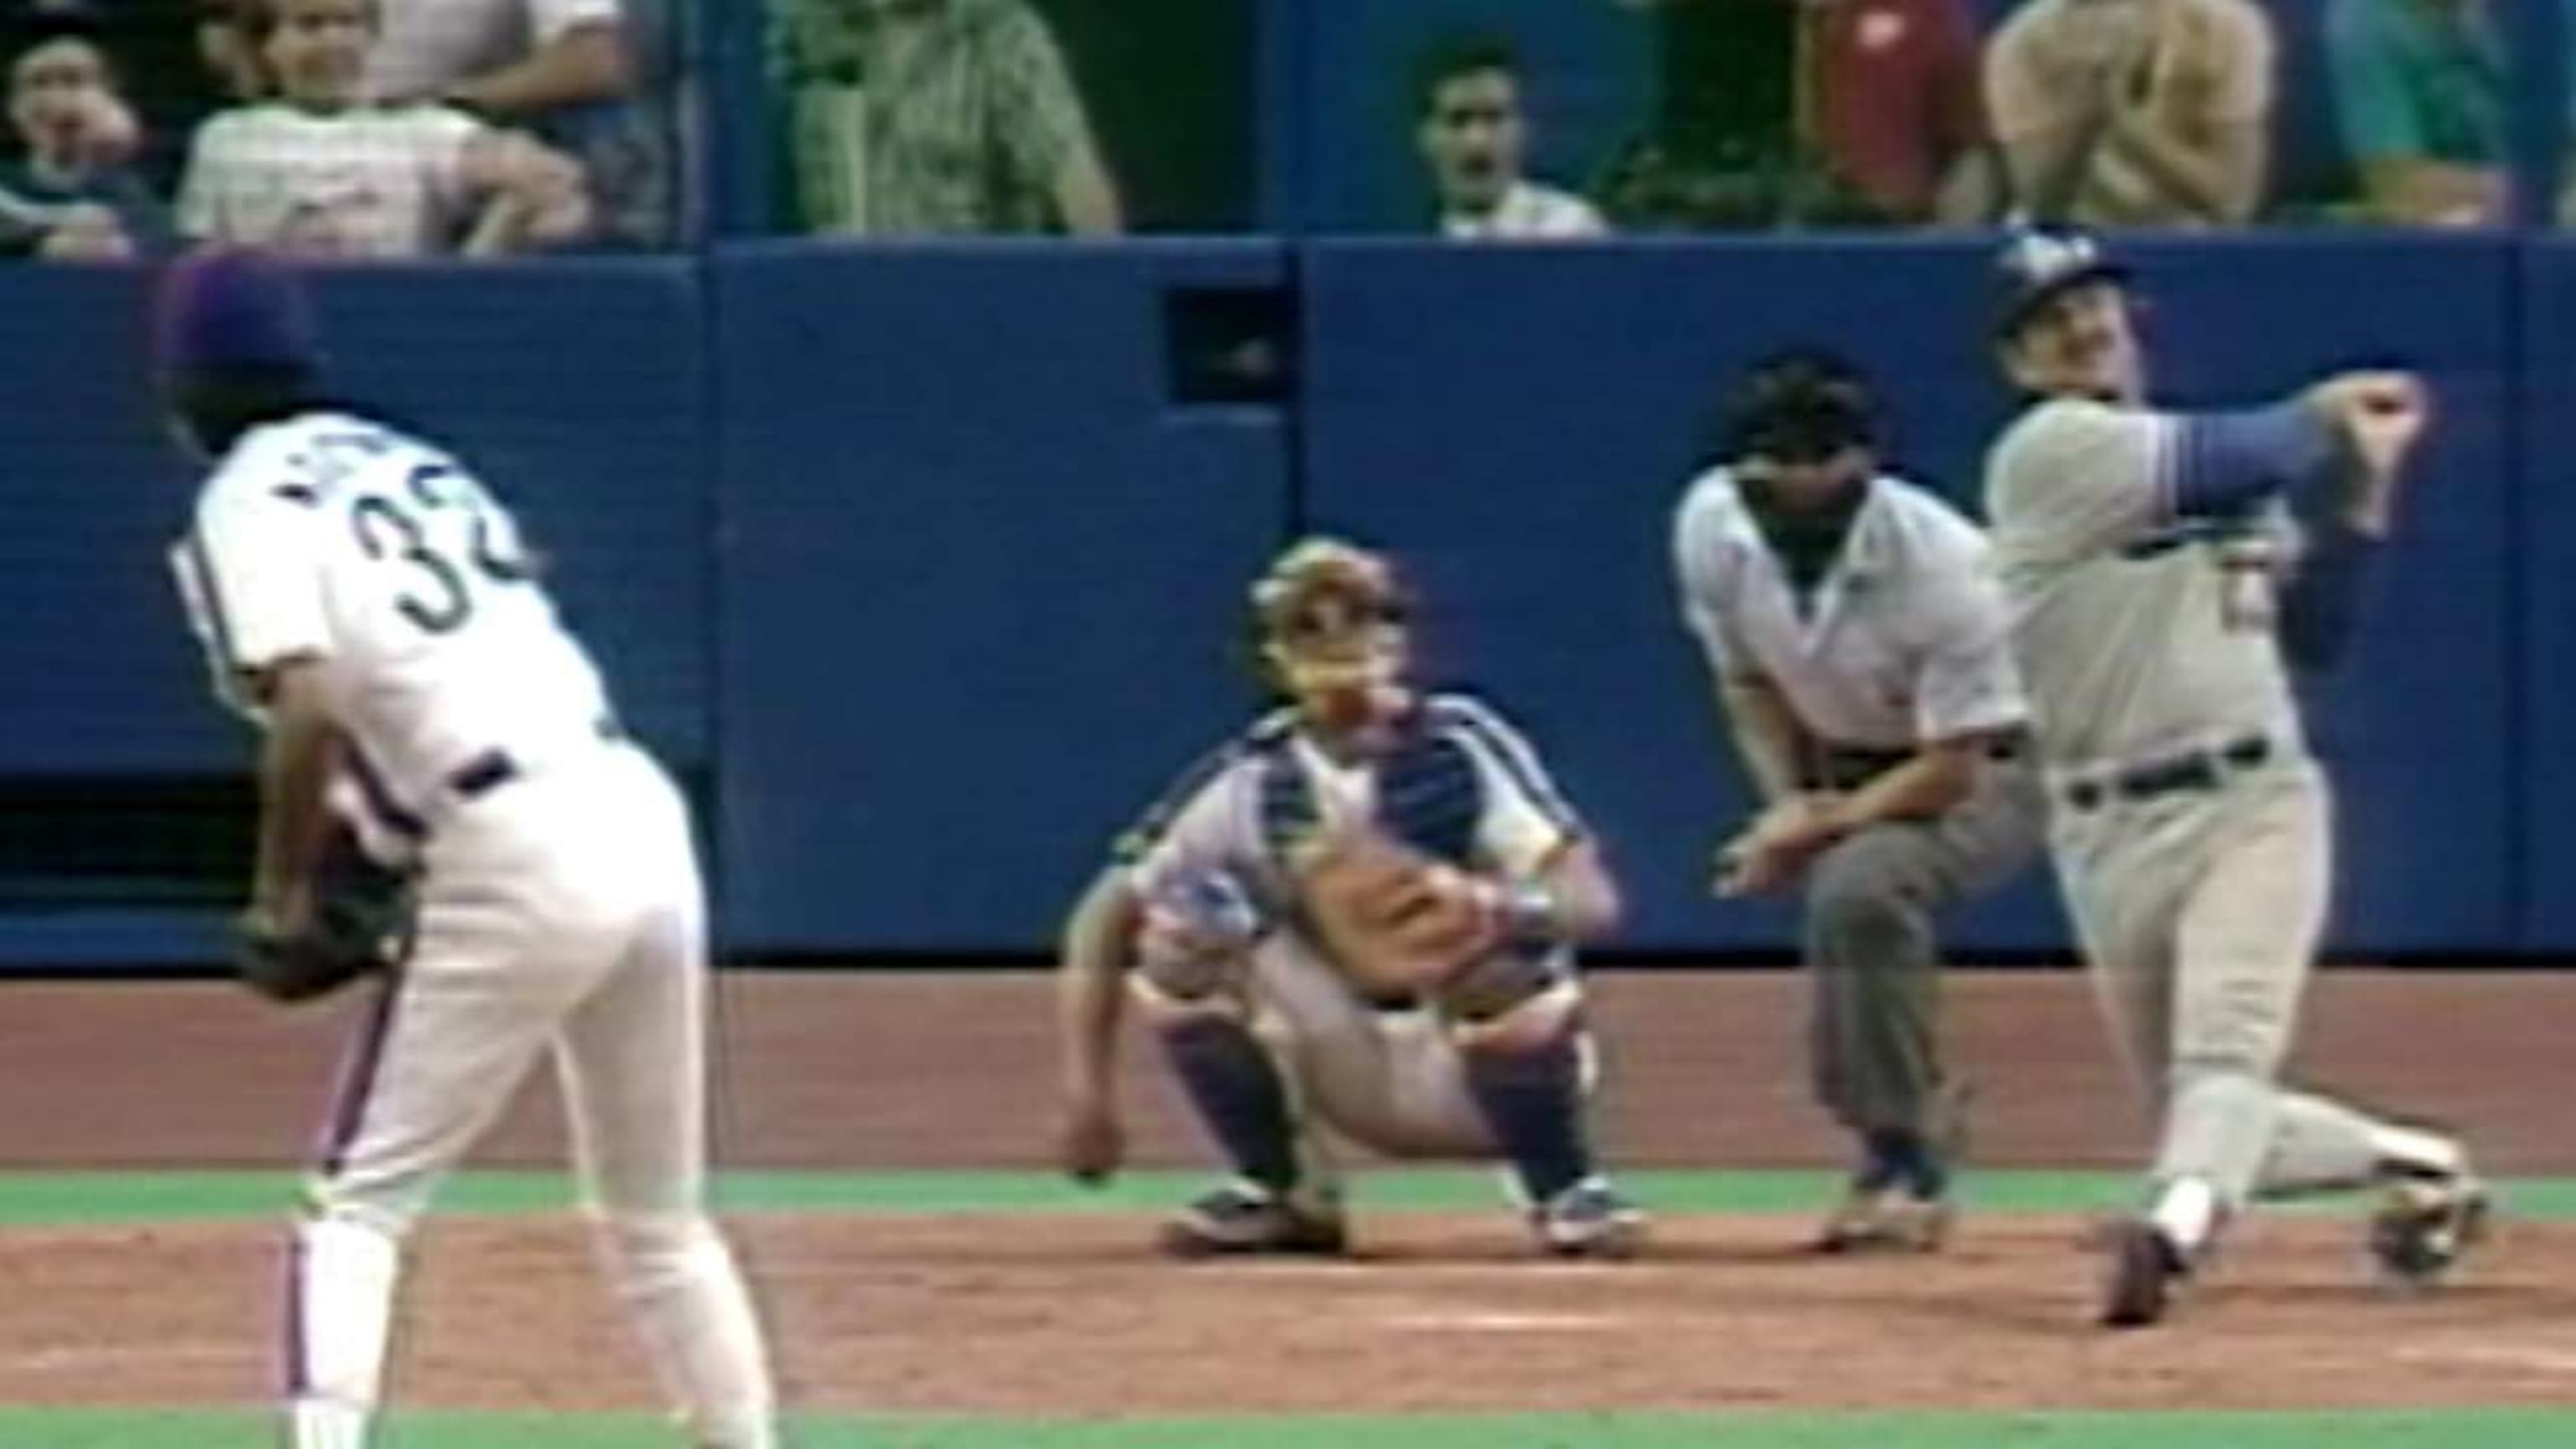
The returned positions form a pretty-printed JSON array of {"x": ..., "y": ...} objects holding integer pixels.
[{"x": 1094, "y": 1144}]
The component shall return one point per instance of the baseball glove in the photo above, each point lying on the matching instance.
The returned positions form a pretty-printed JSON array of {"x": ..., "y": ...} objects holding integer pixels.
[
  {"x": 1394, "y": 919},
  {"x": 361, "y": 923}
]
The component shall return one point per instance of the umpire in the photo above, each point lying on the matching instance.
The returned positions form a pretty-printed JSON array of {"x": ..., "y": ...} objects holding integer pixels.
[{"x": 1858, "y": 647}]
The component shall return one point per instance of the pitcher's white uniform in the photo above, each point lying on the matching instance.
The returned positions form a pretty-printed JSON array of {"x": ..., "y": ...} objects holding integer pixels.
[
  {"x": 1384, "y": 1074},
  {"x": 561, "y": 908}
]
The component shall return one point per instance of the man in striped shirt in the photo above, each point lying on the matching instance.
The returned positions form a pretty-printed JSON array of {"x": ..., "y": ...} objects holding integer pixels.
[{"x": 937, "y": 117}]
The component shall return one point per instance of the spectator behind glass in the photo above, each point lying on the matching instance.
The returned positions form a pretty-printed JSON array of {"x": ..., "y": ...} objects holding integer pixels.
[
  {"x": 1815, "y": 112},
  {"x": 71, "y": 193},
  {"x": 1472, "y": 133},
  {"x": 2420, "y": 92},
  {"x": 928, "y": 117},
  {"x": 2136, "y": 113},
  {"x": 224, "y": 50},
  {"x": 321, "y": 171},
  {"x": 586, "y": 76}
]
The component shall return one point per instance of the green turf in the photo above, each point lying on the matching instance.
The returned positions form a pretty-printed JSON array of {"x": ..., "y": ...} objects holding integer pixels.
[
  {"x": 78, "y": 1197},
  {"x": 2464, "y": 1429}
]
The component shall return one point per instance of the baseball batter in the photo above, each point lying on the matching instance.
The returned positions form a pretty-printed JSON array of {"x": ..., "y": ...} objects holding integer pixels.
[
  {"x": 1225, "y": 915},
  {"x": 368, "y": 601},
  {"x": 2164, "y": 571},
  {"x": 1858, "y": 646}
]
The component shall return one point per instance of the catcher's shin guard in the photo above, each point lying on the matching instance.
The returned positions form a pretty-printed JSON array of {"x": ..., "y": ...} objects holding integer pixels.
[
  {"x": 1529, "y": 1072},
  {"x": 1241, "y": 1093}
]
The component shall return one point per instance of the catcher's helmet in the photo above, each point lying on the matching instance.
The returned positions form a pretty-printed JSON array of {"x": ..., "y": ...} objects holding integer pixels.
[
  {"x": 1329, "y": 616},
  {"x": 1802, "y": 406}
]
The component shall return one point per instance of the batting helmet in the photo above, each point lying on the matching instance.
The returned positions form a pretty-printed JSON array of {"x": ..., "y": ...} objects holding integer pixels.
[{"x": 2039, "y": 264}]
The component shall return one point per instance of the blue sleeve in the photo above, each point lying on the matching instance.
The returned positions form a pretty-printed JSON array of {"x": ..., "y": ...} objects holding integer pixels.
[
  {"x": 2225, "y": 463},
  {"x": 2324, "y": 595}
]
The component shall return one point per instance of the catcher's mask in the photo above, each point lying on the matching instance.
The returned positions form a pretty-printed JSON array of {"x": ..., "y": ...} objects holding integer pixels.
[
  {"x": 1800, "y": 408},
  {"x": 1332, "y": 620}
]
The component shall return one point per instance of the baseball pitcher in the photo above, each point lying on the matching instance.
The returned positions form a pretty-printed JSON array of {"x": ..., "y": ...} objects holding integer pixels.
[
  {"x": 2164, "y": 571},
  {"x": 1359, "y": 913},
  {"x": 364, "y": 598},
  {"x": 1857, "y": 643}
]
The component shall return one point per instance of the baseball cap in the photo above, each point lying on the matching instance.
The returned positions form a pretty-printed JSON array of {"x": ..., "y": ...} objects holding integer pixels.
[
  {"x": 232, "y": 308},
  {"x": 2037, "y": 264}
]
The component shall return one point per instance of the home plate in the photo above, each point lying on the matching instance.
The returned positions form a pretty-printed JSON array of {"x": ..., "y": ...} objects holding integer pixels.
[{"x": 1503, "y": 1320}]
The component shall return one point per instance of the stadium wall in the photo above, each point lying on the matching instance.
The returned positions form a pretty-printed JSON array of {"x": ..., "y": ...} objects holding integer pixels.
[{"x": 925, "y": 563}]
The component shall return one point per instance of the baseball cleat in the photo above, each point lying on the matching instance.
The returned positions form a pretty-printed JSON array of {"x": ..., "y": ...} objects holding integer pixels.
[
  {"x": 1591, "y": 1219},
  {"x": 1239, "y": 1218},
  {"x": 2145, "y": 1267},
  {"x": 1887, "y": 1219},
  {"x": 2424, "y": 1224}
]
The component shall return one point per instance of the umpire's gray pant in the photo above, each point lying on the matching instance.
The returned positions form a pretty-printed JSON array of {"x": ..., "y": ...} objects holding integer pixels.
[{"x": 1873, "y": 962}]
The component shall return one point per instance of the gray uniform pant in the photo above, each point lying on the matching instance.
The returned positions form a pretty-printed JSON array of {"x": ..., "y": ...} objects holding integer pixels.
[
  {"x": 2200, "y": 912},
  {"x": 1873, "y": 961}
]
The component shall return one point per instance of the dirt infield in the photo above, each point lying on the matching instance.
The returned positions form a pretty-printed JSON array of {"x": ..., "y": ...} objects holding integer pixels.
[{"x": 1070, "y": 1316}]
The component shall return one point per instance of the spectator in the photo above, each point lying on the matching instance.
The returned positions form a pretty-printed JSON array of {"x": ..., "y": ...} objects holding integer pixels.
[
  {"x": 2135, "y": 112},
  {"x": 1899, "y": 115},
  {"x": 71, "y": 194},
  {"x": 320, "y": 170},
  {"x": 1815, "y": 112},
  {"x": 2420, "y": 91},
  {"x": 1472, "y": 133},
  {"x": 224, "y": 50},
  {"x": 578, "y": 74},
  {"x": 924, "y": 117}
]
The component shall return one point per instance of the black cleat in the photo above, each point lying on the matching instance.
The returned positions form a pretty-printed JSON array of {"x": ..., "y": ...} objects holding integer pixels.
[
  {"x": 1591, "y": 1219},
  {"x": 1243, "y": 1218},
  {"x": 2145, "y": 1266},
  {"x": 2424, "y": 1226}
]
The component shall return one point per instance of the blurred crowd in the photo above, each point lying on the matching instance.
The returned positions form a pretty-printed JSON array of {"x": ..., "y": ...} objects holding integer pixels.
[{"x": 413, "y": 128}]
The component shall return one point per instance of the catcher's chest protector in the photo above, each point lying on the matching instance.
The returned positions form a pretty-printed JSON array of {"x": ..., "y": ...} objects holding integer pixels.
[{"x": 1426, "y": 793}]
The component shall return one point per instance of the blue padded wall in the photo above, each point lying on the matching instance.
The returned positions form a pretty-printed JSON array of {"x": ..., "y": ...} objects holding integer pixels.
[
  {"x": 982, "y": 579},
  {"x": 1520, "y": 423},
  {"x": 575, "y": 389}
]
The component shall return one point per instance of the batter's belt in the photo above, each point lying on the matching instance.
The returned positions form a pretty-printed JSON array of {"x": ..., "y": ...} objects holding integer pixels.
[{"x": 2201, "y": 771}]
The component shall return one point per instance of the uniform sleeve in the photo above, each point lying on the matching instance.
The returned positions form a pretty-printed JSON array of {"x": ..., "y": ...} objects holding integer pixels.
[
  {"x": 1702, "y": 574},
  {"x": 1042, "y": 120},
  {"x": 438, "y": 137},
  {"x": 2369, "y": 77},
  {"x": 2075, "y": 478},
  {"x": 1968, "y": 684},
  {"x": 256, "y": 556},
  {"x": 2246, "y": 53},
  {"x": 1190, "y": 834},
  {"x": 1527, "y": 820}
]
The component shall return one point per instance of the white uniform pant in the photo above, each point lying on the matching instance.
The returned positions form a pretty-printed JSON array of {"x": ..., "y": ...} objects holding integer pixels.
[
  {"x": 1391, "y": 1081},
  {"x": 561, "y": 916},
  {"x": 2200, "y": 913}
]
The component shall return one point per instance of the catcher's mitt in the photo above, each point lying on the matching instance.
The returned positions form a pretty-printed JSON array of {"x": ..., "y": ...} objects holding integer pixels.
[
  {"x": 361, "y": 923},
  {"x": 1394, "y": 919}
]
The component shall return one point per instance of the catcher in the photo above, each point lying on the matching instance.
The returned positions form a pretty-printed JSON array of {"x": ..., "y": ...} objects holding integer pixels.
[{"x": 1359, "y": 913}]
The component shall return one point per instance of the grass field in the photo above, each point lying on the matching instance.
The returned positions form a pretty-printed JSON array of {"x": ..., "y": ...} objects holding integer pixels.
[{"x": 38, "y": 1199}]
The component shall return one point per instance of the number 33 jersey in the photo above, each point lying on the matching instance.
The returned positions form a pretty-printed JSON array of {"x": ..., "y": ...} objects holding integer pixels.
[{"x": 340, "y": 540}]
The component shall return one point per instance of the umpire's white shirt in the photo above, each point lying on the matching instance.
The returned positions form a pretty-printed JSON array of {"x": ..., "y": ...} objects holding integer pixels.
[{"x": 1906, "y": 639}]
